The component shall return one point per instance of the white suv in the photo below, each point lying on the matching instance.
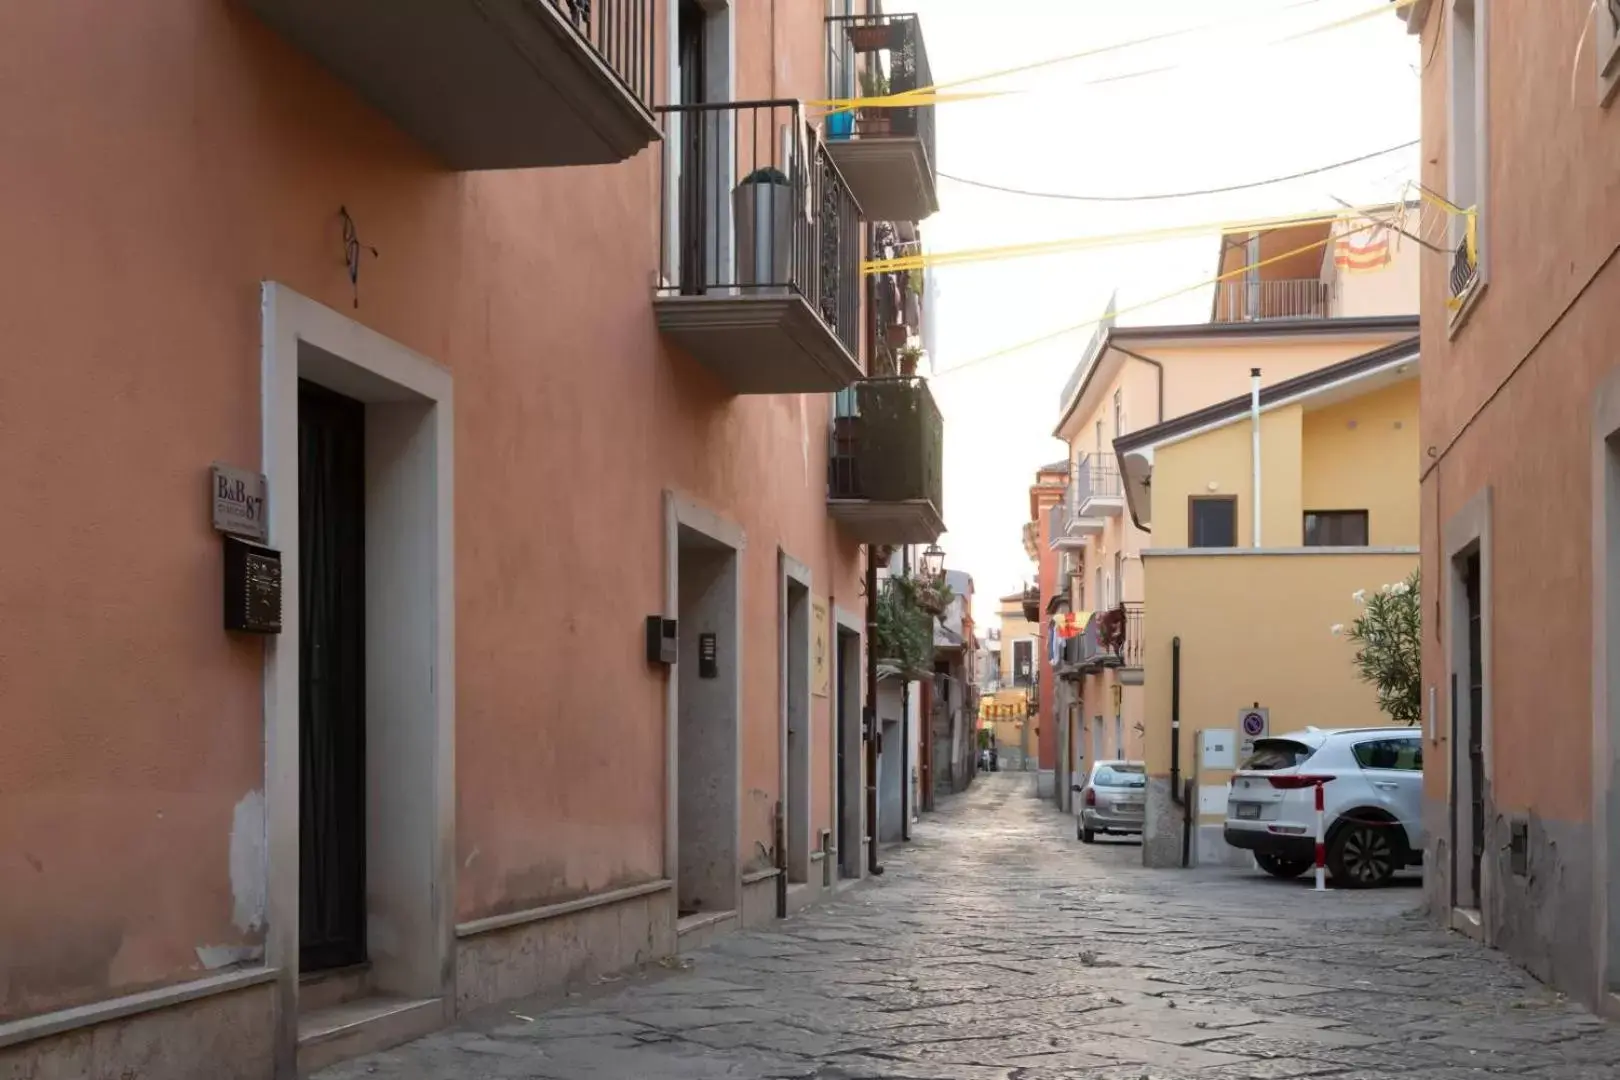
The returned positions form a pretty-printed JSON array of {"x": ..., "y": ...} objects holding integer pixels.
[{"x": 1372, "y": 786}]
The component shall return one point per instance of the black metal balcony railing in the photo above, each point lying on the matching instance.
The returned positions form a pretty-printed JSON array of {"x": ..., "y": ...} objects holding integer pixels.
[
  {"x": 1464, "y": 270},
  {"x": 877, "y": 56},
  {"x": 888, "y": 443},
  {"x": 761, "y": 209},
  {"x": 1032, "y": 604},
  {"x": 1254, "y": 301},
  {"x": 621, "y": 32},
  {"x": 1130, "y": 647}
]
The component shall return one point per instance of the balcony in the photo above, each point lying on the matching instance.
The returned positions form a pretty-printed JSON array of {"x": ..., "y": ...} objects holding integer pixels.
[
  {"x": 1067, "y": 526},
  {"x": 1097, "y": 490},
  {"x": 761, "y": 250},
  {"x": 887, "y": 153},
  {"x": 886, "y": 473},
  {"x": 1130, "y": 645},
  {"x": 1111, "y": 640},
  {"x": 491, "y": 84},
  {"x": 1259, "y": 301},
  {"x": 1032, "y": 604}
]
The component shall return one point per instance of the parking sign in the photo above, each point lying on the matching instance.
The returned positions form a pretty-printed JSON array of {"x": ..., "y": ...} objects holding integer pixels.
[{"x": 1254, "y": 723}]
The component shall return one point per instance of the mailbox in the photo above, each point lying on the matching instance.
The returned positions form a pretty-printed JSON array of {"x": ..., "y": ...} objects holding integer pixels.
[{"x": 252, "y": 588}]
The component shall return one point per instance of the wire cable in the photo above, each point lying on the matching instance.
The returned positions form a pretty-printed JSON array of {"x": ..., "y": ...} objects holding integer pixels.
[
  {"x": 1177, "y": 194},
  {"x": 1216, "y": 280}
]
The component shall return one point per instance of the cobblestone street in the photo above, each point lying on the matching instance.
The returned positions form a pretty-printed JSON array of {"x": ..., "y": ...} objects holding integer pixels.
[{"x": 998, "y": 948}]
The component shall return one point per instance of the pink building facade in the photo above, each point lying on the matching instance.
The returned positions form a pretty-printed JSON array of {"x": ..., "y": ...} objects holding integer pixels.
[
  {"x": 1520, "y": 423},
  {"x": 536, "y": 370}
]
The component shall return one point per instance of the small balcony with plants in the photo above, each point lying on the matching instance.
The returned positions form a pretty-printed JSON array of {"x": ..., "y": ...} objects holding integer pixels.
[
  {"x": 908, "y": 610},
  {"x": 761, "y": 249},
  {"x": 887, "y": 152},
  {"x": 492, "y": 84},
  {"x": 885, "y": 476}
]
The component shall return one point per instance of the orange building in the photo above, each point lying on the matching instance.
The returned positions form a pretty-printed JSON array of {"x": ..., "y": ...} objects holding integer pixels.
[
  {"x": 1520, "y": 420},
  {"x": 544, "y": 412}
]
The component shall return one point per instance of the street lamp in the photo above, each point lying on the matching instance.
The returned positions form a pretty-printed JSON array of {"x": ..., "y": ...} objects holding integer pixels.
[{"x": 933, "y": 562}]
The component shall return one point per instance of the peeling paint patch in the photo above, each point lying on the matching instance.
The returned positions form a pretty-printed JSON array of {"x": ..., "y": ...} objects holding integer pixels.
[
  {"x": 249, "y": 851},
  {"x": 214, "y": 957}
]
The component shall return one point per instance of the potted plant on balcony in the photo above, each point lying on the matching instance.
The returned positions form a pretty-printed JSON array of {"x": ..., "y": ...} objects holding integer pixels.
[
  {"x": 764, "y": 207},
  {"x": 904, "y": 637},
  {"x": 1111, "y": 630},
  {"x": 874, "y": 120},
  {"x": 908, "y": 359},
  {"x": 934, "y": 595}
]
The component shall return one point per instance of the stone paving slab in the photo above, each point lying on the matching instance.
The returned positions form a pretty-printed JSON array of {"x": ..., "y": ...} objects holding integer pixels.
[{"x": 998, "y": 948}]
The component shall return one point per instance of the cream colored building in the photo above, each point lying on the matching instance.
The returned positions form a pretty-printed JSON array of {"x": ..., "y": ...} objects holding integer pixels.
[
  {"x": 1290, "y": 316},
  {"x": 1241, "y": 604}
]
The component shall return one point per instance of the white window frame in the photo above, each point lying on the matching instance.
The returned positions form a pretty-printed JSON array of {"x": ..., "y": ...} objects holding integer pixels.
[
  {"x": 1606, "y": 41},
  {"x": 1467, "y": 51}
]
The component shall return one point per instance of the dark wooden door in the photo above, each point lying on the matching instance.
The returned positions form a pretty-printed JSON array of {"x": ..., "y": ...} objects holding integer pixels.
[
  {"x": 1476, "y": 723},
  {"x": 331, "y": 704}
]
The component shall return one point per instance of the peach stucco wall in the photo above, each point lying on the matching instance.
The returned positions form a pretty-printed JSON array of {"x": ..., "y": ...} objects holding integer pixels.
[
  {"x": 1506, "y": 410},
  {"x": 162, "y": 160}
]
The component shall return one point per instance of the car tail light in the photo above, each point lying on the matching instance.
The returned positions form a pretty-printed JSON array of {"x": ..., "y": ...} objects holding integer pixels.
[
  {"x": 1295, "y": 783},
  {"x": 1091, "y": 797}
]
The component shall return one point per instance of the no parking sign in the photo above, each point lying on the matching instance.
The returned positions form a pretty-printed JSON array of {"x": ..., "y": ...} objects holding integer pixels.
[{"x": 1254, "y": 723}]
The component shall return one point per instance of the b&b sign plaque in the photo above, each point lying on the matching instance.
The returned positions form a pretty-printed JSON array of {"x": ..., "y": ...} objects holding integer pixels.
[{"x": 239, "y": 503}]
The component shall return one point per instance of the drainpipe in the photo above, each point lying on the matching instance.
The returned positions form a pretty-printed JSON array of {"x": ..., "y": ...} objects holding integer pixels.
[
  {"x": 1177, "y": 796},
  {"x": 872, "y": 730},
  {"x": 1158, "y": 370},
  {"x": 905, "y": 727},
  {"x": 1254, "y": 419}
]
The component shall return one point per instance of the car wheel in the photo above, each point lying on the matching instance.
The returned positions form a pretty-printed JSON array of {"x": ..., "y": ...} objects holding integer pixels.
[
  {"x": 1279, "y": 867},
  {"x": 1365, "y": 855},
  {"x": 1087, "y": 836}
]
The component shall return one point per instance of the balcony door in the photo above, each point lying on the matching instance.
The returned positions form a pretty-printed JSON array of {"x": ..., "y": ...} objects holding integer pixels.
[{"x": 691, "y": 56}]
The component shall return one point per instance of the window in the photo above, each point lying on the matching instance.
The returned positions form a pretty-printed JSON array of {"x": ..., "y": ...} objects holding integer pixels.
[
  {"x": 1119, "y": 578},
  {"x": 1099, "y": 439},
  {"x": 1335, "y": 528},
  {"x": 1404, "y": 754},
  {"x": 1212, "y": 521},
  {"x": 1119, "y": 408},
  {"x": 1023, "y": 662},
  {"x": 1125, "y": 776},
  {"x": 1608, "y": 50},
  {"x": 1465, "y": 164},
  {"x": 1272, "y": 754}
]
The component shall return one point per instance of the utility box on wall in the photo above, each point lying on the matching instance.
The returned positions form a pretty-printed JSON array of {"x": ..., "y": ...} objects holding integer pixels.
[{"x": 1217, "y": 749}]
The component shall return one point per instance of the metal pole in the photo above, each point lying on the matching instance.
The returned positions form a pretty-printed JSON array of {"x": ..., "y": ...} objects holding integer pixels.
[
  {"x": 1321, "y": 840},
  {"x": 872, "y": 730},
  {"x": 1254, "y": 417}
]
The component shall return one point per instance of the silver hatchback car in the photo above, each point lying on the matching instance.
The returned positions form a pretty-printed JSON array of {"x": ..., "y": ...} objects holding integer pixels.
[{"x": 1111, "y": 800}]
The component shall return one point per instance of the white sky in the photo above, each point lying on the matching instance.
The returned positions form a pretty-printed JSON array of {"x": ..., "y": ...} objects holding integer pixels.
[{"x": 1235, "y": 109}]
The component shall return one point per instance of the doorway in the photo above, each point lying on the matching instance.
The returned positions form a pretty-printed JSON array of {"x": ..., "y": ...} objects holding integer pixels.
[
  {"x": 1468, "y": 736},
  {"x": 332, "y": 672},
  {"x": 708, "y": 748},
  {"x": 848, "y": 789},
  {"x": 796, "y": 717}
]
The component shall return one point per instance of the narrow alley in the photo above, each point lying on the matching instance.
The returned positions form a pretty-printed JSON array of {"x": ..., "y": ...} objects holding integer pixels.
[{"x": 997, "y": 948}]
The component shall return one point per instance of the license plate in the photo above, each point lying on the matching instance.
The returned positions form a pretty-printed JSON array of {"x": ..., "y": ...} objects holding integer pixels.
[
  {"x": 1129, "y": 807},
  {"x": 1249, "y": 811}
]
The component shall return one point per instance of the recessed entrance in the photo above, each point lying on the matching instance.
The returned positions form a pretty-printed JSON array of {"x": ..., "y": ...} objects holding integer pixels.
[
  {"x": 332, "y": 679},
  {"x": 359, "y": 686},
  {"x": 708, "y": 724},
  {"x": 796, "y": 718},
  {"x": 847, "y": 706}
]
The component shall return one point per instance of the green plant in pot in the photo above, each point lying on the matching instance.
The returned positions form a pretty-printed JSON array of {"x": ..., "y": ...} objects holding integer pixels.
[
  {"x": 763, "y": 205},
  {"x": 908, "y": 358},
  {"x": 874, "y": 120}
]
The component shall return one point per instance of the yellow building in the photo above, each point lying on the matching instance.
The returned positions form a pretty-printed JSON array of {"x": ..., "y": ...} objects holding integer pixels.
[
  {"x": 1254, "y": 558},
  {"x": 1297, "y": 311},
  {"x": 1007, "y": 711}
]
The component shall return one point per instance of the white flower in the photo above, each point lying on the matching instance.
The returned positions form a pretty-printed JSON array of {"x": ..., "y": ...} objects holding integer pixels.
[
  {"x": 1400, "y": 588},
  {"x": 1337, "y": 629},
  {"x": 1386, "y": 589},
  {"x": 1360, "y": 597}
]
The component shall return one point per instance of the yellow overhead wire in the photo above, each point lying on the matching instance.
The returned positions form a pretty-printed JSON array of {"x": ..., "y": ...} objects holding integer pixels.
[
  {"x": 1082, "y": 243},
  {"x": 924, "y": 95},
  {"x": 1216, "y": 280}
]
